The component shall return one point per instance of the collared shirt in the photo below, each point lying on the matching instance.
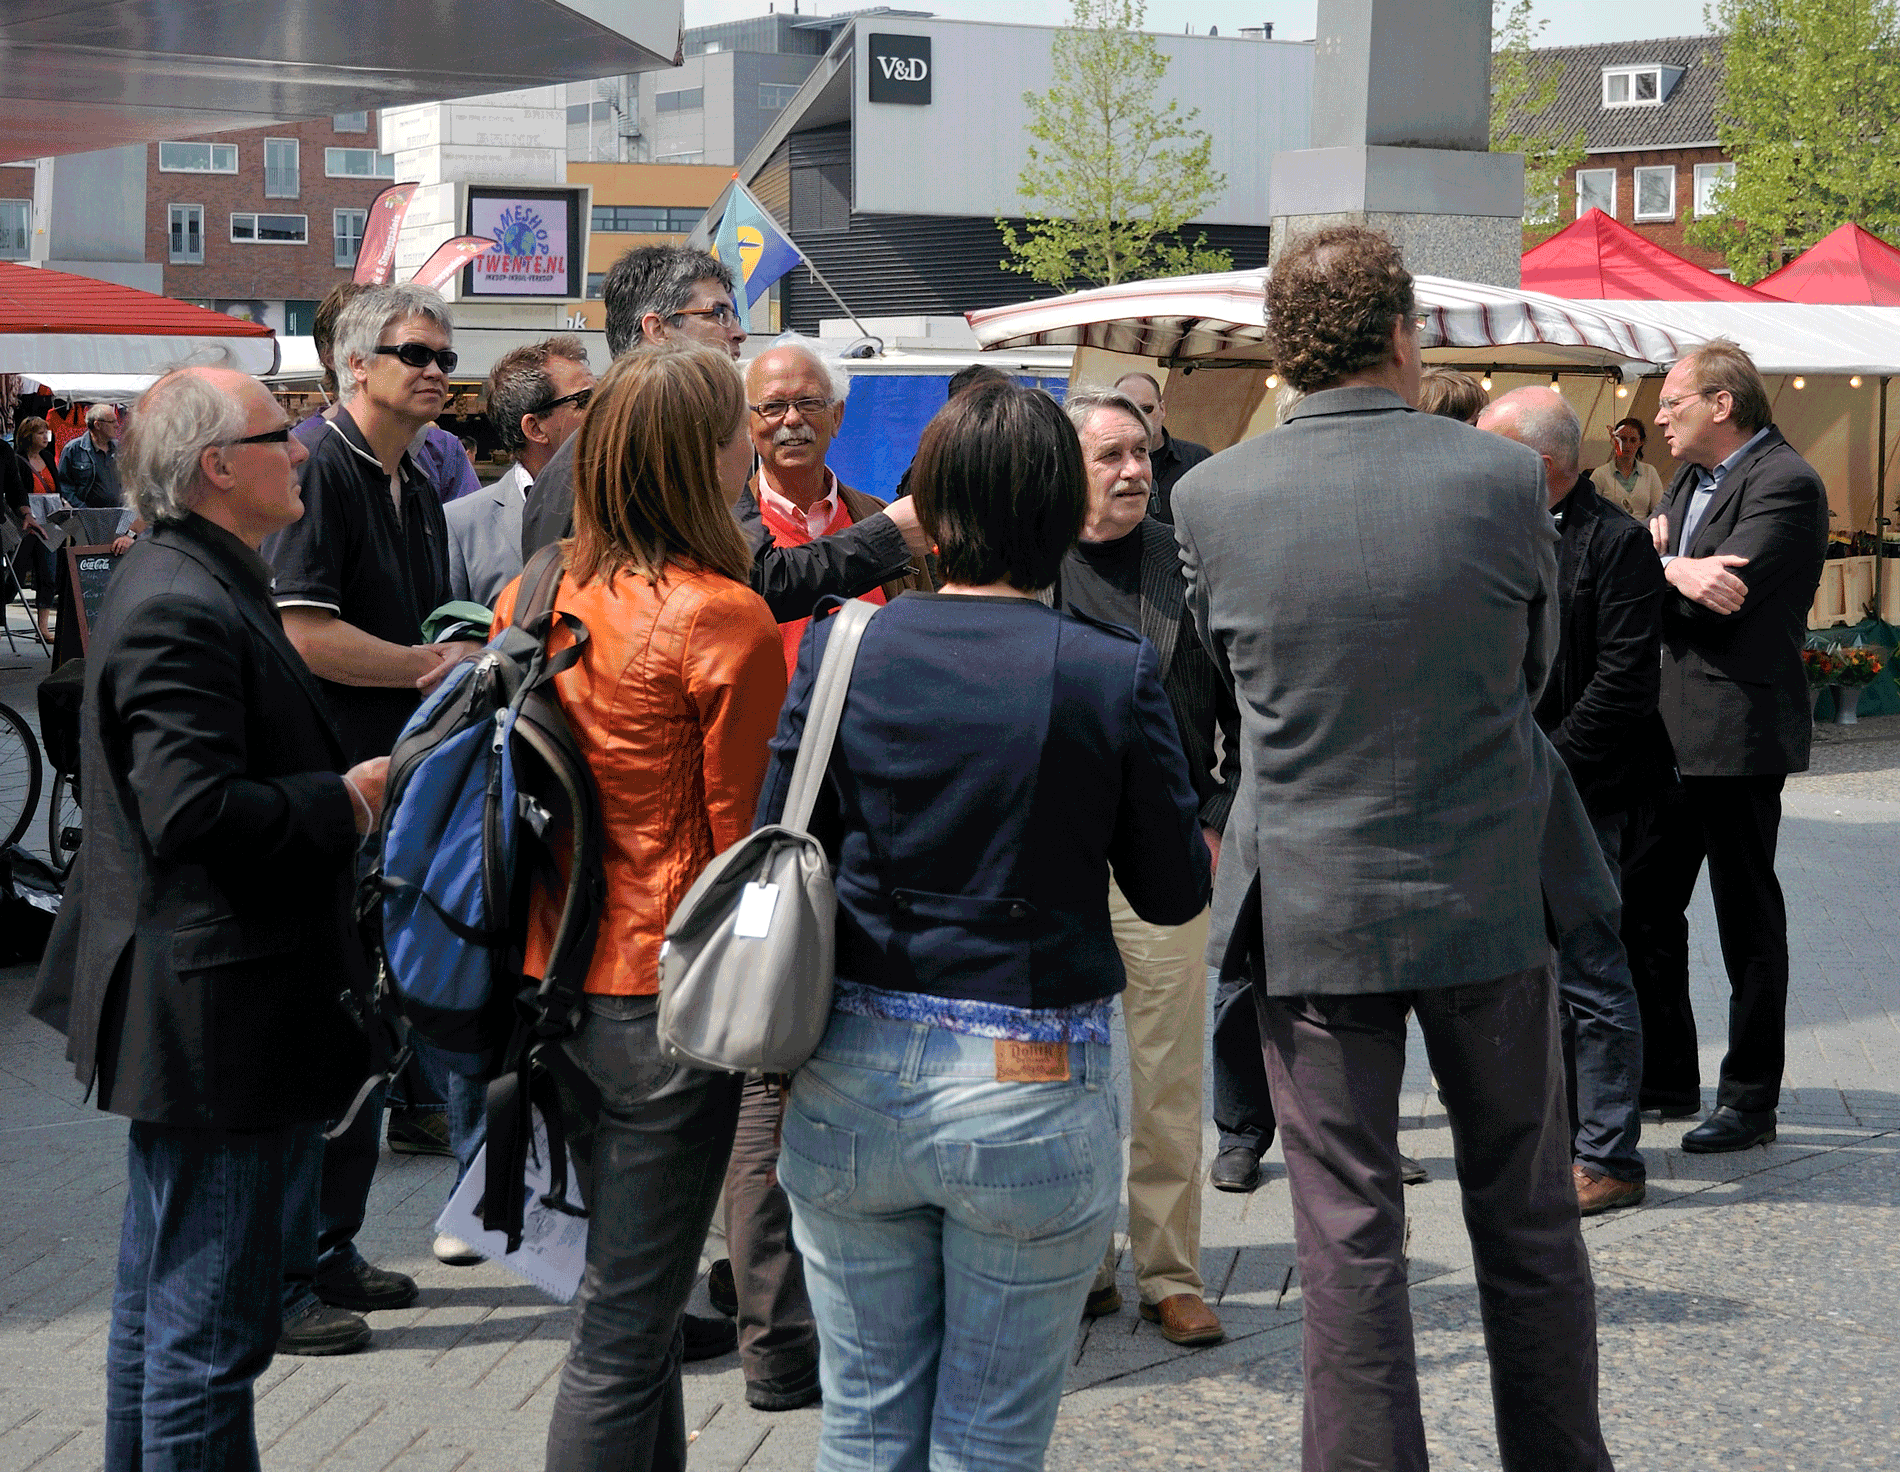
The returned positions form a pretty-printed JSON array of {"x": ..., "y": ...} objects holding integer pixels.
[
  {"x": 816, "y": 518},
  {"x": 89, "y": 476},
  {"x": 1706, "y": 488}
]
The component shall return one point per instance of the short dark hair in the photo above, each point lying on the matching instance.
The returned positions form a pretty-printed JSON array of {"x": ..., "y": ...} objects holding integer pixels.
[
  {"x": 653, "y": 278},
  {"x": 323, "y": 327},
  {"x": 1000, "y": 486},
  {"x": 1722, "y": 366},
  {"x": 1152, "y": 382},
  {"x": 973, "y": 375},
  {"x": 1451, "y": 395},
  {"x": 1642, "y": 433},
  {"x": 518, "y": 384},
  {"x": 1331, "y": 302}
]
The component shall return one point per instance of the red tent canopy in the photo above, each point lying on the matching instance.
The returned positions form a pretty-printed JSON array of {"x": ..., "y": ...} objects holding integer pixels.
[
  {"x": 1597, "y": 259},
  {"x": 53, "y": 322},
  {"x": 1849, "y": 267}
]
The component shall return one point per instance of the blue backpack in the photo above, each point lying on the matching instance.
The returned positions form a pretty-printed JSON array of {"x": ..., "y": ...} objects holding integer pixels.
[{"x": 489, "y": 799}]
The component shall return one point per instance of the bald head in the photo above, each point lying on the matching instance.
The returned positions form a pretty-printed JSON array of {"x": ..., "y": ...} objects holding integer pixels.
[{"x": 1539, "y": 417}]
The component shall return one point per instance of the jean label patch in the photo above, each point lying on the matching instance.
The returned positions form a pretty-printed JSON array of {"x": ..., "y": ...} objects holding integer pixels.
[{"x": 1031, "y": 1063}]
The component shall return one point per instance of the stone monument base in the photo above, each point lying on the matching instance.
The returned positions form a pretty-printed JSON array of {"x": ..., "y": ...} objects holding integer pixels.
[{"x": 1484, "y": 248}]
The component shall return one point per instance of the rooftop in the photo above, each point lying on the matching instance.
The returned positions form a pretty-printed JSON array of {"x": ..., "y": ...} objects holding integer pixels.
[{"x": 1691, "y": 78}]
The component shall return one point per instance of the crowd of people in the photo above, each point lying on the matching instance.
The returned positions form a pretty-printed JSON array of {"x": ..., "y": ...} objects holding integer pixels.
[{"x": 1369, "y": 722}]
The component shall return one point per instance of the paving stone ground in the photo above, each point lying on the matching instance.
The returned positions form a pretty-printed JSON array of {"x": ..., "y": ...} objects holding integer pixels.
[{"x": 1748, "y": 1312}]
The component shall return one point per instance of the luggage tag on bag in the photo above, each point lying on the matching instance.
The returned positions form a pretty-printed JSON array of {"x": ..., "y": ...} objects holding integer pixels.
[{"x": 756, "y": 904}]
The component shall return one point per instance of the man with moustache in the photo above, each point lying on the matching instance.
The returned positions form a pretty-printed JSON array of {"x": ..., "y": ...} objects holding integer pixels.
[{"x": 1125, "y": 570}]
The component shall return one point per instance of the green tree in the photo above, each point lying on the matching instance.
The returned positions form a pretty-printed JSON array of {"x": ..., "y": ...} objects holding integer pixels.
[
  {"x": 1523, "y": 87},
  {"x": 1810, "y": 92},
  {"x": 1111, "y": 175}
]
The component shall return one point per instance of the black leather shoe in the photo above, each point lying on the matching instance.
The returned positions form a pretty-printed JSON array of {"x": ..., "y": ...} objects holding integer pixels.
[
  {"x": 1411, "y": 1172},
  {"x": 321, "y": 1330},
  {"x": 1236, "y": 1169},
  {"x": 721, "y": 1289},
  {"x": 784, "y": 1392},
  {"x": 1102, "y": 1302},
  {"x": 363, "y": 1289},
  {"x": 1730, "y": 1129},
  {"x": 1670, "y": 1106},
  {"x": 707, "y": 1339}
]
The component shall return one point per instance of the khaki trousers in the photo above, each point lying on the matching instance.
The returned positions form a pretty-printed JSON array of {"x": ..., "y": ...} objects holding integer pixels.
[{"x": 1164, "y": 1011}]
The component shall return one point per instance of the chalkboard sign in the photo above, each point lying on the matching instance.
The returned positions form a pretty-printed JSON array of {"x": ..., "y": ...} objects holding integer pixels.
[{"x": 83, "y": 575}]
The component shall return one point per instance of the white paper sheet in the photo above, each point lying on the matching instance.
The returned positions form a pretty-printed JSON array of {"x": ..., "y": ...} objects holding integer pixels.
[{"x": 553, "y": 1247}]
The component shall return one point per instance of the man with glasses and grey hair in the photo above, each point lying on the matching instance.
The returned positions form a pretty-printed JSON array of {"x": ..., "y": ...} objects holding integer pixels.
[
  {"x": 537, "y": 396},
  {"x": 662, "y": 291},
  {"x": 356, "y": 577},
  {"x": 89, "y": 466},
  {"x": 205, "y": 944}
]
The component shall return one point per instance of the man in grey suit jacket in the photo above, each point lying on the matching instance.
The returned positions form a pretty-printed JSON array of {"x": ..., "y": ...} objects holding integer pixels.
[
  {"x": 537, "y": 396},
  {"x": 1380, "y": 586}
]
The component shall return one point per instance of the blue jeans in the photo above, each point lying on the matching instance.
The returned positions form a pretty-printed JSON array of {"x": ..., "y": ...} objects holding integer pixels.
[
  {"x": 195, "y": 1308},
  {"x": 1602, "y": 1033},
  {"x": 951, "y": 1226}
]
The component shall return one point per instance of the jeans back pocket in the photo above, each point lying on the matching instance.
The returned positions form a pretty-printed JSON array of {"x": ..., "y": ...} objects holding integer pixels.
[
  {"x": 1020, "y": 1188},
  {"x": 817, "y": 1162}
]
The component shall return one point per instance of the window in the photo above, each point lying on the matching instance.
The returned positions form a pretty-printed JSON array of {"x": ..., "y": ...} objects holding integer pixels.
[
  {"x": 271, "y": 229},
  {"x": 775, "y": 95},
  {"x": 643, "y": 219},
  {"x": 280, "y": 168},
  {"x": 1656, "y": 193},
  {"x": 350, "y": 122},
  {"x": 347, "y": 228},
  {"x": 696, "y": 157},
  {"x": 188, "y": 234},
  {"x": 1596, "y": 190},
  {"x": 16, "y": 228},
  {"x": 595, "y": 281},
  {"x": 686, "y": 101},
  {"x": 1632, "y": 86},
  {"x": 579, "y": 113},
  {"x": 197, "y": 158},
  {"x": 1711, "y": 180},
  {"x": 358, "y": 163}
]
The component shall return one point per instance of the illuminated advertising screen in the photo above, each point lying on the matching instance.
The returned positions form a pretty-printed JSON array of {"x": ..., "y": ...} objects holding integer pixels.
[{"x": 540, "y": 244}]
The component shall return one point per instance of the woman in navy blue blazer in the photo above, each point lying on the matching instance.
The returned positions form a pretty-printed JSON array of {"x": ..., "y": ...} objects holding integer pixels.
[{"x": 951, "y": 1150}]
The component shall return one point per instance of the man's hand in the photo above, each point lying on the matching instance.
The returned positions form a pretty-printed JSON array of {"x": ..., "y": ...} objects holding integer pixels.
[
  {"x": 439, "y": 659},
  {"x": 1659, "y": 533},
  {"x": 1708, "y": 581},
  {"x": 369, "y": 779},
  {"x": 1213, "y": 850},
  {"x": 904, "y": 513},
  {"x": 121, "y": 545}
]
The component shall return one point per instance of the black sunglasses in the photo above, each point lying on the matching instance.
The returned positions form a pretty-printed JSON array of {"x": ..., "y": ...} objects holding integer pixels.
[
  {"x": 421, "y": 355},
  {"x": 275, "y": 436},
  {"x": 579, "y": 399}
]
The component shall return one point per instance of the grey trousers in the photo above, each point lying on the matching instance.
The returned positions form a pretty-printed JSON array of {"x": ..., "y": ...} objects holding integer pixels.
[{"x": 1335, "y": 1065}]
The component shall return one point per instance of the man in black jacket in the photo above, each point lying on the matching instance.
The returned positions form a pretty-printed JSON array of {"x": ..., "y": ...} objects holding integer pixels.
[
  {"x": 1599, "y": 710},
  {"x": 663, "y": 291},
  {"x": 202, "y": 983},
  {"x": 1742, "y": 533},
  {"x": 1171, "y": 456}
]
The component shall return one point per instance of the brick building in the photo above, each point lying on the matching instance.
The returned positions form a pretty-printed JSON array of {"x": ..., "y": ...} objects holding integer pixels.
[
  {"x": 262, "y": 222},
  {"x": 1647, "y": 113}
]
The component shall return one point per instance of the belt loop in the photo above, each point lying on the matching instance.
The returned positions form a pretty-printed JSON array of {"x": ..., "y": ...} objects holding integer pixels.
[{"x": 914, "y": 1054}]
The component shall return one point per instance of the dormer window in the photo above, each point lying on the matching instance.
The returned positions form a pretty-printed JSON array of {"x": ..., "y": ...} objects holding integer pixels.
[{"x": 1638, "y": 86}]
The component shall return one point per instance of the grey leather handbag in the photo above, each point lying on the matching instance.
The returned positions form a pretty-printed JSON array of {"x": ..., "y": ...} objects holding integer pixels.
[{"x": 746, "y": 970}]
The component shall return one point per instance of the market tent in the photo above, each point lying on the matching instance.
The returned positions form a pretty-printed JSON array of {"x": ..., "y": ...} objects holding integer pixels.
[
  {"x": 1597, "y": 259},
  {"x": 53, "y": 322},
  {"x": 1848, "y": 266}
]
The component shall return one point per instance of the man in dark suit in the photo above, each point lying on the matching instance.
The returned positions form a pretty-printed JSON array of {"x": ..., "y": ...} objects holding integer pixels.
[
  {"x": 1124, "y": 570},
  {"x": 1742, "y": 533},
  {"x": 1380, "y": 587},
  {"x": 207, "y": 972}
]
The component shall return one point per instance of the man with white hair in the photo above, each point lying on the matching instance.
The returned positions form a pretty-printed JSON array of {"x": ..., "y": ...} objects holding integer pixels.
[
  {"x": 356, "y": 577},
  {"x": 1599, "y": 710},
  {"x": 89, "y": 467},
  {"x": 204, "y": 946}
]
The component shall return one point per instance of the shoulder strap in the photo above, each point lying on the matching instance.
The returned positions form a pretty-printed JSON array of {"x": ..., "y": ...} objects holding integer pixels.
[
  {"x": 540, "y": 581},
  {"x": 827, "y": 705}
]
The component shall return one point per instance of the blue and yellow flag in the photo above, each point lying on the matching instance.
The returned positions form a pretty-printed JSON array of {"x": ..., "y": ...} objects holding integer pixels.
[{"x": 744, "y": 236}]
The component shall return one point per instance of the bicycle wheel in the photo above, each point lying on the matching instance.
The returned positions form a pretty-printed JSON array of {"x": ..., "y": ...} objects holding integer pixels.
[
  {"x": 19, "y": 774},
  {"x": 64, "y": 824}
]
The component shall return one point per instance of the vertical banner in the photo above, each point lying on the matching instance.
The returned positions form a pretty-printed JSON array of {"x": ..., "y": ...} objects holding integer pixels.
[
  {"x": 376, "y": 256},
  {"x": 441, "y": 268}
]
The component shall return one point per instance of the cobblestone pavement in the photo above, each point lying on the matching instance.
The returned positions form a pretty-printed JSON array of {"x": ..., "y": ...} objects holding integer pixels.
[{"x": 1748, "y": 1311}]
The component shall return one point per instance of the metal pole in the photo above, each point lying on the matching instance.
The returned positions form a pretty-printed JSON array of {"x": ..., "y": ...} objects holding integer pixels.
[
  {"x": 1880, "y": 501},
  {"x": 863, "y": 331}
]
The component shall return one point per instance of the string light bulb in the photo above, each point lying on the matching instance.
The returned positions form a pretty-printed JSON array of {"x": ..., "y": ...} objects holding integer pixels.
[
  {"x": 1273, "y": 380},
  {"x": 1622, "y": 391},
  {"x": 1485, "y": 383},
  {"x": 1854, "y": 382},
  {"x": 1800, "y": 382}
]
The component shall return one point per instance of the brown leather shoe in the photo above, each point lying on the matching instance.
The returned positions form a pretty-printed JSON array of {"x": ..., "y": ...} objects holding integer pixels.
[
  {"x": 1599, "y": 1193},
  {"x": 1184, "y": 1319}
]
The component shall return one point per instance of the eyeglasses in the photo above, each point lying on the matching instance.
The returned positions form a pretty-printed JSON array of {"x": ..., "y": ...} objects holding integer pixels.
[
  {"x": 1670, "y": 405},
  {"x": 421, "y": 355},
  {"x": 580, "y": 398},
  {"x": 773, "y": 410},
  {"x": 722, "y": 314},
  {"x": 275, "y": 436}
]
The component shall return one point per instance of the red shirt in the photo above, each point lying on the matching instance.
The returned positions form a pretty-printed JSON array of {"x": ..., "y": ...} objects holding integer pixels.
[{"x": 787, "y": 533}]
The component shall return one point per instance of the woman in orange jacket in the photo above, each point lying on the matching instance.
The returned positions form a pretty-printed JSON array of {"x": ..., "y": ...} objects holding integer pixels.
[{"x": 673, "y": 701}]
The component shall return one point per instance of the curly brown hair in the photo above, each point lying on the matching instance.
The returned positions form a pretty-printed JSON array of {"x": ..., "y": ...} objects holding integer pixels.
[{"x": 1331, "y": 302}]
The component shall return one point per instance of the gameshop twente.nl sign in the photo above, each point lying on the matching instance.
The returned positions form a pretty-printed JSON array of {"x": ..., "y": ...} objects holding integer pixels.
[{"x": 900, "y": 69}]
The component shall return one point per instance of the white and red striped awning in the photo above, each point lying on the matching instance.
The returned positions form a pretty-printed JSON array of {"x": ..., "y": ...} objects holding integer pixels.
[{"x": 1187, "y": 317}]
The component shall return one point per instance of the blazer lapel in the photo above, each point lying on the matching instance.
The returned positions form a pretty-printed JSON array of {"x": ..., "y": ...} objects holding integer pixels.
[
  {"x": 1163, "y": 593},
  {"x": 1725, "y": 494}
]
